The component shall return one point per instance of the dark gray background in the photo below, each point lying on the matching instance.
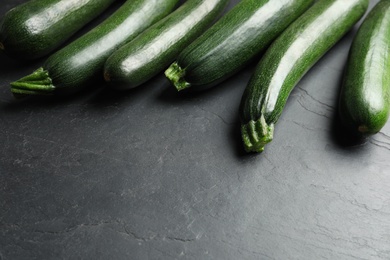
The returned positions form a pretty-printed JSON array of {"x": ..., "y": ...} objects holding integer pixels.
[{"x": 153, "y": 174}]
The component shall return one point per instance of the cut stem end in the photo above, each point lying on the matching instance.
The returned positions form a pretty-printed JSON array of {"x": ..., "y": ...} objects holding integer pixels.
[
  {"x": 256, "y": 134},
  {"x": 176, "y": 75},
  {"x": 37, "y": 83}
]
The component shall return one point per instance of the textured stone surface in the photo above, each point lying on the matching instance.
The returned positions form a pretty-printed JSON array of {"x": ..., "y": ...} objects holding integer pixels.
[{"x": 153, "y": 174}]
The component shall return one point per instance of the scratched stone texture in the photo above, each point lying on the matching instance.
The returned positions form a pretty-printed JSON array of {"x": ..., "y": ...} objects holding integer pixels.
[{"x": 153, "y": 174}]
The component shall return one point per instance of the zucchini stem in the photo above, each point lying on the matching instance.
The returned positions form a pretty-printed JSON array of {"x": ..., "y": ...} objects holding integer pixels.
[
  {"x": 1, "y": 46},
  {"x": 176, "y": 75},
  {"x": 37, "y": 83},
  {"x": 256, "y": 134}
]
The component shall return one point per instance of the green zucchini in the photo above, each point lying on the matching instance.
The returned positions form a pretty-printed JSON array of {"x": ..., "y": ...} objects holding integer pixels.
[
  {"x": 233, "y": 41},
  {"x": 297, "y": 49},
  {"x": 38, "y": 27},
  {"x": 153, "y": 50},
  {"x": 81, "y": 62},
  {"x": 364, "y": 103}
]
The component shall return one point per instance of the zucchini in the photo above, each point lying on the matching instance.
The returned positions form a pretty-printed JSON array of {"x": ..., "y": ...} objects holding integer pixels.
[
  {"x": 81, "y": 62},
  {"x": 364, "y": 103},
  {"x": 157, "y": 47},
  {"x": 297, "y": 49},
  {"x": 232, "y": 42},
  {"x": 38, "y": 27}
]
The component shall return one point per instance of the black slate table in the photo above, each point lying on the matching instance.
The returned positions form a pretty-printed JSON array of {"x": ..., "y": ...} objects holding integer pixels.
[{"x": 153, "y": 174}]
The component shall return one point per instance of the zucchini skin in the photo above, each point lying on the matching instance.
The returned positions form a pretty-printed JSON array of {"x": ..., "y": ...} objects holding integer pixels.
[
  {"x": 153, "y": 51},
  {"x": 38, "y": 27},
  {"x": 287, "y": 60},
  {"x": 81, "y": 63},
  {"x": 232, "y": 42},
  {"x": 364, "y": 103}
]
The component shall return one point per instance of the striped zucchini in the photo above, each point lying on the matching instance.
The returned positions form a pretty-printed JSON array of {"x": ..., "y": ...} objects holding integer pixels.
[
  {"x": 38, "y": 27},
  {"x": 297, "y": 49},
  {"x": 232, "y": 42}
]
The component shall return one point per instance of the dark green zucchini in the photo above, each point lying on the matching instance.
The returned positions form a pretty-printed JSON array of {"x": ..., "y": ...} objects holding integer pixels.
[
  {"x": 297, "y": 49},
  {"x": 81, "y": 62},
  {"x": 232, "y": 42},
  {"x": 156, "y": 48},
  {"x": 36, "y": 28},
  {"x": 364, "y": 103}
]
